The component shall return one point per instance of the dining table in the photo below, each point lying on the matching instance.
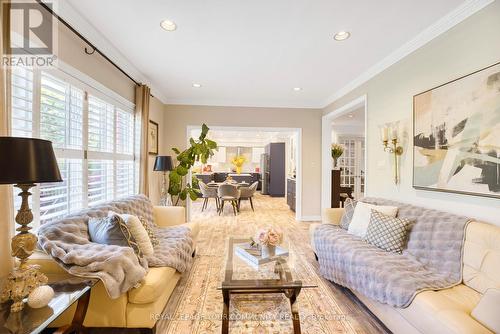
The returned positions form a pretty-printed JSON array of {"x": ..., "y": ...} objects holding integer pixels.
[{"x": 237, "y": 184}]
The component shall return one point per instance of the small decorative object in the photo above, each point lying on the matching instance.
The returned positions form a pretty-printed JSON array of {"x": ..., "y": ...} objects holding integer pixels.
[
  {"x": 153, "y": 137},
  {"x": 238, "y": 162},
  {"x": 457, "y": 135},
  {"x": 24, "y": 162},
  {"x": 337, "y": 151},
  {"x": 199, "y": 150},
  {"x": 268, "y": 239},
  {"x": 163, "y": 163},
  {"x": 390, "y": 132},
  {"x": 229, "y": 179},
  {"x": 40, "y": 297}
]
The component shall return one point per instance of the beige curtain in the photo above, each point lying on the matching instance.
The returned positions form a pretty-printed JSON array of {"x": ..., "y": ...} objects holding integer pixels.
[
  {"x": 142, "y": 94},
  {"x": 6, "y": 214}
]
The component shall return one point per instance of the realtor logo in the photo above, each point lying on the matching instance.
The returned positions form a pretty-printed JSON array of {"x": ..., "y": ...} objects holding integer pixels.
[{"x": 33, "y": 34}]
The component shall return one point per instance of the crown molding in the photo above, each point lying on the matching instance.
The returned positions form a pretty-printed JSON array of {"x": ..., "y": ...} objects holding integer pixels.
[
  {"x": 444, "y": 24},
  {"x": 84, "y": 27}
]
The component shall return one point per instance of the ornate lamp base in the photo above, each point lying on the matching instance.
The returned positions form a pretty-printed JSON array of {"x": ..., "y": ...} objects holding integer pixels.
[
  {"x": 25, "y": 278},
  {"x": 20, "y": 283}
]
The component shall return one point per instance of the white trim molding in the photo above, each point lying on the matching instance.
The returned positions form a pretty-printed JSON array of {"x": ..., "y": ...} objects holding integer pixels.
[
  {"x": 467, "y": 9},
  {"x": 84, "y": 27},
  {"x": 326, "y": 141},
  {"x": 310, "y": 219}
]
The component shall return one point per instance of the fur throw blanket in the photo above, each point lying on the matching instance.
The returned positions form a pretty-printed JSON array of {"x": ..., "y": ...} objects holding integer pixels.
[
  {"x": 432, "y": 260},
  {"x": 67, "y": 241}
]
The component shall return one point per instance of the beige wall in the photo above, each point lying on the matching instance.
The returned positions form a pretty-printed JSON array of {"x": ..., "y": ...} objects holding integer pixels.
[
  {"x": 178, "y": 117},
  {"x": 157, "y": 114},
  {"x": 471, "y": 45}
]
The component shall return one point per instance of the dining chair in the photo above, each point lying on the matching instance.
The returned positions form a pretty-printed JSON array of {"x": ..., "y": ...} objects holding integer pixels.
[
  {"x": 228, "y": 193},
  {"x": 246, "y": 193},
  {"x": 207, "y": 193}
]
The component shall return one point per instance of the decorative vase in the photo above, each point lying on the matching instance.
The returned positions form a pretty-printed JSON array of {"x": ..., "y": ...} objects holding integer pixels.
[
  {"x": 268, "y": 251},
  {"x": 40, "y": 297},
  {"x": 238, "y": 169}
]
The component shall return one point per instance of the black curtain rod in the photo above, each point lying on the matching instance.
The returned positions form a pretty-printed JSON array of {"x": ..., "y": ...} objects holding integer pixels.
[{"x": 86, "y": 41}]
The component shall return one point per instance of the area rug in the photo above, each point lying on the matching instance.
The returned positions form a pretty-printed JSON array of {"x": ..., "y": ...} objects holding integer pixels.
[{"x": 196, "y": 304}]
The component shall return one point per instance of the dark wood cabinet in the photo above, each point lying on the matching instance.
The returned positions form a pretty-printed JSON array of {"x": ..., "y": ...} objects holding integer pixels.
[
  {"x": 290, "y": 193},
  {"x": 335, "y": 188}
]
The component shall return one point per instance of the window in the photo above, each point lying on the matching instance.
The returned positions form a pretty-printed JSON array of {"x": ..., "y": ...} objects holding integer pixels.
[{"x": 93, "y": 138}]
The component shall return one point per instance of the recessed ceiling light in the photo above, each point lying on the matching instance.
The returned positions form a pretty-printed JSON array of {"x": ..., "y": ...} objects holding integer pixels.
[
  {"x": 197, "y": 85},
  {"x": 342, "y": 35},
  {"x": 297, "y": 89},
  {"x": 351, "y": 116},
  {"x": 168, "y": 25}
]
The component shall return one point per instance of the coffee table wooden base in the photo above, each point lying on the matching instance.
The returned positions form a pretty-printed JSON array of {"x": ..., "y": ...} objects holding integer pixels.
[{"x": 291, "y": 294}]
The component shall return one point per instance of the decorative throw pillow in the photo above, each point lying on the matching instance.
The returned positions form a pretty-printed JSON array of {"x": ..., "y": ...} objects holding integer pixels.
[
  {"x": 488, "y": 309},
  {"x": 137, "y": 231},
  {"x": 349, "y": 206},
  {"x": 149, "y": 227},
  {"x": 112, "y": 230},
  {"x": 388, "y": 233},
  {"x": 361, "y": 217}
]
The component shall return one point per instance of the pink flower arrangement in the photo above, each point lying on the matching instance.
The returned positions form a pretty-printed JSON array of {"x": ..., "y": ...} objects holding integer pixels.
[{"x": 271, "y": 236}]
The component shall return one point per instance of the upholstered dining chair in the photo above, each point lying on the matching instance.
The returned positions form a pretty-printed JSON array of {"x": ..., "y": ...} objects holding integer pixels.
[
  {"x": 228, "y": 193},
  {"x": 246, "y": 193},
  {"x": 207, "y": 193}
]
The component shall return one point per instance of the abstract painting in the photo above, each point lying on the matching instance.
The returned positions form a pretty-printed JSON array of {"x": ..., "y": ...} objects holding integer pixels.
[{"x": 457, "y": 135}]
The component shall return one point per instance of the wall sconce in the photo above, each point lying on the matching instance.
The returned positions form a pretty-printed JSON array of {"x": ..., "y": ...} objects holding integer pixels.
[{"x": 389, "y": 133}]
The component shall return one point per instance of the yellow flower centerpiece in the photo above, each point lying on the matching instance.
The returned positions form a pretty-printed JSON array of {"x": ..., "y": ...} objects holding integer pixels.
[{"x": 238, "y": 162}]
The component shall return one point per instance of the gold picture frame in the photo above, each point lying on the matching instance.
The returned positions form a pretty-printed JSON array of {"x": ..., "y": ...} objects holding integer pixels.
[{"x": 153, "y": 131}]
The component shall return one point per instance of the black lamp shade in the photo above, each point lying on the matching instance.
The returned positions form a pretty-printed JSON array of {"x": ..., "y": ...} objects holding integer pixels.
[
  {"x": 163, "y": 163},
  {"x": 27, "y": 160}
]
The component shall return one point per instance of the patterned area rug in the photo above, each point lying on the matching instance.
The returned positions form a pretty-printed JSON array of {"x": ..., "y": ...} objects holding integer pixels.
[{"x": 196, "y": 305}]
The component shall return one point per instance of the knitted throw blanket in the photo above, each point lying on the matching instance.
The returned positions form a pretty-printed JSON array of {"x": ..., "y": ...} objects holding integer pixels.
[
  {"x": 432, "y": 260},
  {"x": 67, "y": 241}
]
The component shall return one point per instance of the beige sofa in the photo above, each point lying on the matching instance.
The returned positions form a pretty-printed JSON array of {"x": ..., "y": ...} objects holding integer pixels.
[
  {"x": 138, "y": 308},
  {"x": 449, "y": 310}
]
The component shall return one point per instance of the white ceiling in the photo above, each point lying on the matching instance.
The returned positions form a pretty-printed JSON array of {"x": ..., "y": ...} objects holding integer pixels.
[
  {"x": 253, "y": 53},
  {"x": 353, "y": 118}
]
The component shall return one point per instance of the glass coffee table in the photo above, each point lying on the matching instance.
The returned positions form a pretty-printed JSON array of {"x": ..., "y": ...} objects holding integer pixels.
[{"x": 243, "y": 277}]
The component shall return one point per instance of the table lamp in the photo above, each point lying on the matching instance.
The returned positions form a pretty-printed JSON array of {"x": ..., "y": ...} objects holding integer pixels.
[
  {"x": 163, "y": 163},
  {"x": 24, "y": 162}
]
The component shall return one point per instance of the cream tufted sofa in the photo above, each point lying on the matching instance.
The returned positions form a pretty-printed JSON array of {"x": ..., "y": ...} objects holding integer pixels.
[
  {"x": 140, "y": 307},
  {"x": 449, "y": 310}
]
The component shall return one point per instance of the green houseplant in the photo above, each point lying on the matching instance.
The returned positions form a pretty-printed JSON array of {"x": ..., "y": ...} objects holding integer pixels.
[{"x": 199, "y": 150}]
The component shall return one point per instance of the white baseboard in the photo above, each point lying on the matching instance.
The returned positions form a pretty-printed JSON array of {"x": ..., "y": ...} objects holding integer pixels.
[{"x": 310, "y": 219}]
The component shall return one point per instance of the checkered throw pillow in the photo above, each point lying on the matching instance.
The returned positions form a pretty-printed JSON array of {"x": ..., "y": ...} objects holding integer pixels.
[
  {"x": 388, "y": 233},
  {"x": 349, "y": 206}
]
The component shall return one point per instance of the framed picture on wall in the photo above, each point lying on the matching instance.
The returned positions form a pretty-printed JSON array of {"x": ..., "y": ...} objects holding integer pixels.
[
  {"x": 456, "y": 135},
  {"x": 153, "y": 137}
]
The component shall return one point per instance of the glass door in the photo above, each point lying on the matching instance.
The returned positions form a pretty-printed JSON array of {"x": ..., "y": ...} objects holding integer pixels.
[{"x": 352, "y": 165}]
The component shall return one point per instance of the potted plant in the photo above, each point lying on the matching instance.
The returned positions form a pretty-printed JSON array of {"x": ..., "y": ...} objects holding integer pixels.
[
  {"x": 199, "y": 150},
  {"x": 337, "y": 151}
]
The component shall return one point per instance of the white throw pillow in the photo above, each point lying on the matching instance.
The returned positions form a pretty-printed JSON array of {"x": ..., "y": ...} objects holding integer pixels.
[
  {"x": 138, "y": 232},
  {"x": 488, "y": 309},
  {"x": 362, "y": 215}
]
